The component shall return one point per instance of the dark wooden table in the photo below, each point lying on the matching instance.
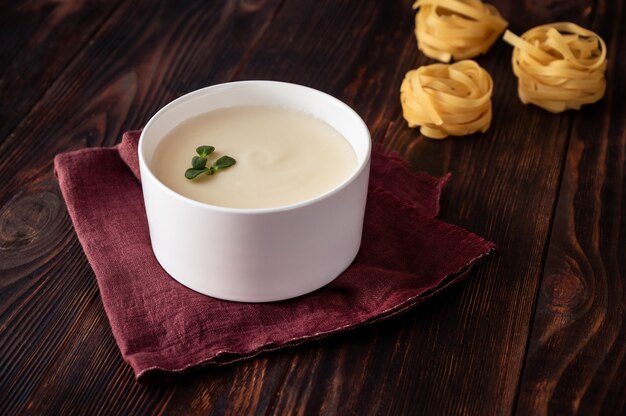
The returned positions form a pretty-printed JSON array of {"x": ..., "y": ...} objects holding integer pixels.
[{"x": 539, "y": 328}]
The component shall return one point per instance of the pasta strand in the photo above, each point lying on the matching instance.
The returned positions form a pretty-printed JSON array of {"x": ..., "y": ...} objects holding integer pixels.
[
  {"x": 447, "y": 99},
  {"x": 559, "y": 66},
  {"x": 456, "y": 29}
]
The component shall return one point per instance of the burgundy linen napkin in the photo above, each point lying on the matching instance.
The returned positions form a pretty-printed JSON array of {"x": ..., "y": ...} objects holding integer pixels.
[{"x": 161, "y": 326}]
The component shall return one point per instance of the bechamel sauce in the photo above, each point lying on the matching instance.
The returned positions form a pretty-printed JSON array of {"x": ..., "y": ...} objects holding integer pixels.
[{"x": 284, "y": 156}]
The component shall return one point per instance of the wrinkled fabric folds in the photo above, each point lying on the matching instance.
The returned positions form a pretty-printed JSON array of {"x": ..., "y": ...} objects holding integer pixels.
[{"x": 160, "y": 326}]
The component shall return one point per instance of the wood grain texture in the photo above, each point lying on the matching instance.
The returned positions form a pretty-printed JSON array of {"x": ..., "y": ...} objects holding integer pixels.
[
  {"x": 57, "y": 350},
  {"x": 39, "y": 39},
  {"x": 576, "y": 359},
  {"x": 513, "y": 207},
  {"x": 463, "y": 352}
]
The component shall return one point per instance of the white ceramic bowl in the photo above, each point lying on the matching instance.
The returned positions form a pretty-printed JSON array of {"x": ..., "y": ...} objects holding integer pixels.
[{"x": 256, "y": 255}]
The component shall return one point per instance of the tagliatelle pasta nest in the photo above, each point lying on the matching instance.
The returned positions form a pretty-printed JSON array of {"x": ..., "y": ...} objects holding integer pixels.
[
  {"x": 559, "y": 66},
  {"x": 447, "y": 99},
  {"x": 456, "y": 29}
]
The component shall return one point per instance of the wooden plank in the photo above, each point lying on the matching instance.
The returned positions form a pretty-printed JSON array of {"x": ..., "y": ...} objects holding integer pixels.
[
  {"x": 243, "y": 389},
  {"x": 434, "y": 360},
  {"x": 461, "y": 353},
  {"x": 39, "y": 39},
  {"x": 56, "y": 350},
  {"x": 311, "y": 55},
  {"x": 576, "y": 358}
]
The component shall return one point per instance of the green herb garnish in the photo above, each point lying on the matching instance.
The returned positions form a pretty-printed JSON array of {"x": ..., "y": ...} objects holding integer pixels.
[{"x": 198, "y": 163}]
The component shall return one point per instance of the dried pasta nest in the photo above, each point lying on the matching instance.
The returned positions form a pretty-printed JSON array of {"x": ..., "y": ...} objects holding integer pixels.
[
  {"x": 559, "y": 66},
  {"x": 456, "y": 29},
  {"x": 447, "y": 99}
]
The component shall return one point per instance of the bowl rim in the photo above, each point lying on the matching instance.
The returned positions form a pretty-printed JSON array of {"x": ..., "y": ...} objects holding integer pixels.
[{"x": 364, "y": 164}]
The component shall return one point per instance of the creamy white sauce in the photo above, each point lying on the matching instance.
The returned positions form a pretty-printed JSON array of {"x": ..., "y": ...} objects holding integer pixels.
[{"x": 284, "y": 156}]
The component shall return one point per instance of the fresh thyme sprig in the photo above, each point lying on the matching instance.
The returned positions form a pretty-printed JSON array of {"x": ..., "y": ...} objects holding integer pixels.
[{"x": 198, "y": 163}]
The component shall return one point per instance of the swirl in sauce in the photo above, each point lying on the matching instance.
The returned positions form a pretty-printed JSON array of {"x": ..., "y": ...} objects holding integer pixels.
[{"x": 284, "y": 156}]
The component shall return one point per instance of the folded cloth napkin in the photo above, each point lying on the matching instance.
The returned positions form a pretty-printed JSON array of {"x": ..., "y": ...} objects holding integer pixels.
[{"x": 406, "y": 256}]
